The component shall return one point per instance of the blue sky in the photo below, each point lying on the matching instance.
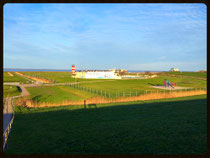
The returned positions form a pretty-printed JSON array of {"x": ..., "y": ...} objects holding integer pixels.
[{"x": 104, "y": 36}]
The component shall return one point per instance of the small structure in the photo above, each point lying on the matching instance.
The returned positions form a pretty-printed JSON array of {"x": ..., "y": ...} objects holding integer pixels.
[
  {"x": 98, "y": 74},
  {"x": 174, "y": 70},
  {"x": 167, "y": 84}
]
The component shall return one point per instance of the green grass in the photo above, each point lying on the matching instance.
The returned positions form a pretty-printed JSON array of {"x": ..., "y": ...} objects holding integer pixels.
[
  {"x": 170, "y": 126},
  {"x": 58, "y": 77},
  {"x": 192, "y": 74},
  {"x": 134, "y": 85},
  {"x": 57, "y": 94},
  {"x": 9, "y": 91},
  {"x": 15, "y": 78},
  {"x": 131, "y": 86}
]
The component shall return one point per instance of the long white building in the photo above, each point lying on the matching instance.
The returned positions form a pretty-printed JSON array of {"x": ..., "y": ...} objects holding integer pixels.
[{"x": 98, "y": 74}]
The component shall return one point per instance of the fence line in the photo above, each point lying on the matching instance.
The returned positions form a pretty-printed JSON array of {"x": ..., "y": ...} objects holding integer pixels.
[
  {"x": 9, "y": 126},
  {"x": 108, "y": 94},
  {"x": 102, "y": 100}
]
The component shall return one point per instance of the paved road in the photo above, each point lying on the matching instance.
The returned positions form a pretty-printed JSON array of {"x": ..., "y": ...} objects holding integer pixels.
[
  {"x": 7, "y": 112},
  {"x": 8, "y": 109}
]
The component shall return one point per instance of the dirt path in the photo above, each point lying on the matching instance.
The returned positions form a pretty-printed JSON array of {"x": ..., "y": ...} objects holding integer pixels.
[{"x": 9, "y": 73}]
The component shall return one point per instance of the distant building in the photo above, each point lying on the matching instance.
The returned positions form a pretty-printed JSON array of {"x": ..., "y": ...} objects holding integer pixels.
[
  {"x": 98, "y": 74},
  {"x": 174, "y": 70},
  {"x": 201, "y": 71}
]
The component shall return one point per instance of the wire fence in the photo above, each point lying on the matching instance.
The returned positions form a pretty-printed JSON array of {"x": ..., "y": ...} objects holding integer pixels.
[
  {"x": 9, "y": 126},
  {"x": 111, "y": 94}
]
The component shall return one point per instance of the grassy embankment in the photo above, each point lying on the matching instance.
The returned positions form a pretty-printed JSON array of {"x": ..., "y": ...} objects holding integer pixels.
[
  {"x": 14, "y": 78},
  {"x": 169, "y": 126}
]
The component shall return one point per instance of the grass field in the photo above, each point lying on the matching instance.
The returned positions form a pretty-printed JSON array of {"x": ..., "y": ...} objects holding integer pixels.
[
  {"x": 9, "y": 91},
  {"x": 169, "y": 126},
  {"x": 15, "y": 78},
  {"x": 192, "y": 74},
  {"x": 57, "y": 94},
  {"x": 113, "y": 87},
  {"x": 133, "y": 85}
]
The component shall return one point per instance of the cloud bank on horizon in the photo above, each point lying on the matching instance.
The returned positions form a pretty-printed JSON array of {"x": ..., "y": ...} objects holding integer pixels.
[{"x": 104, "y": 36}]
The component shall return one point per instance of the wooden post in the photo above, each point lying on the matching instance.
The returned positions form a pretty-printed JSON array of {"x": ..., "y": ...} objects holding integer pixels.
[{"x": 85, "y": 104}]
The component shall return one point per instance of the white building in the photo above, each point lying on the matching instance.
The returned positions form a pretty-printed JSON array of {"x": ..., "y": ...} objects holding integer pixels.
[
  {"x": 174, "y": 69},
  {"x": 98, "y": 74}
]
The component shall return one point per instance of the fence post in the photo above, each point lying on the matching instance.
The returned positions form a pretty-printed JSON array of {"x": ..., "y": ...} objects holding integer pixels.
[
  {"x": 136, "y": 93},
  {"x": 85, "y": 104},
  {"x": 109, "y": 94},
  {"x": 123, "y": 94}
]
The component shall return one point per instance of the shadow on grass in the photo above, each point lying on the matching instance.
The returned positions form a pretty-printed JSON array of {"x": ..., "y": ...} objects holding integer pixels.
[
  {"x": 177, "y": 127},
  {"x": 155, "y": 84}
]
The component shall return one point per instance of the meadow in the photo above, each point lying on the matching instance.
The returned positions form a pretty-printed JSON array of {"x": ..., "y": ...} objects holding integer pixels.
[
  {"x": 57, "y": 94},
  {"x": 107, "y": 88},
  {"x": 167, "y": 126},
  {"x": 14, "y": 78},
  {"x": 192, "y": 74},
  {"x": 144, "y": 84}
]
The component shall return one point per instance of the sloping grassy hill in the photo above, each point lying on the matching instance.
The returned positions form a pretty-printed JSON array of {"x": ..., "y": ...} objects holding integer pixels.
[{"x": 170, "y": 126}]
